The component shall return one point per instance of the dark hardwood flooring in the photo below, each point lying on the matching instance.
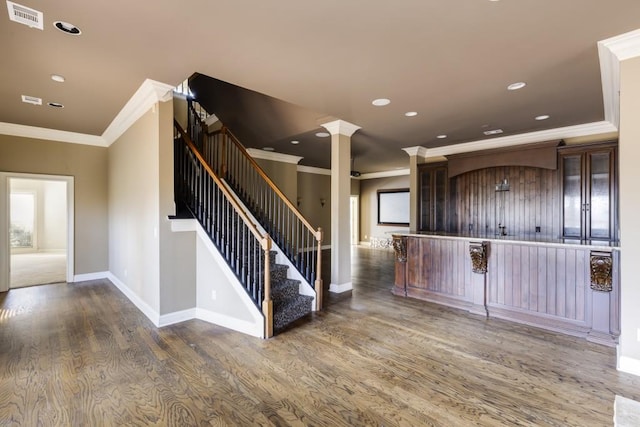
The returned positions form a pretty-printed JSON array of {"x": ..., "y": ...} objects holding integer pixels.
[{"x": 83, "y": 355}]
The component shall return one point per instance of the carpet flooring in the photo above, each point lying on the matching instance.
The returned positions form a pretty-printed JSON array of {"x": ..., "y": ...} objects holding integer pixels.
[{"x": 38, "y": 268}]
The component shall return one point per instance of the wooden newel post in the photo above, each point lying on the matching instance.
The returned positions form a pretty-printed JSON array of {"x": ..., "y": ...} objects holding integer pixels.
[
  {"x": 267, "y": 303},
  {"x": 318, "y": 284}
]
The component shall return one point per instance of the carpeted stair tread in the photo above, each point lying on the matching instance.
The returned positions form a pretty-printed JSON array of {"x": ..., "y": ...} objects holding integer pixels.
[
  {"x": 284, "y": 290},
  {"x": 291, "y": 311}
]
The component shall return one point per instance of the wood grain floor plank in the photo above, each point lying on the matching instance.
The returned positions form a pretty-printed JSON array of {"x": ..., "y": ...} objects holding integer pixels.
[{"x": 82, "y": 354}]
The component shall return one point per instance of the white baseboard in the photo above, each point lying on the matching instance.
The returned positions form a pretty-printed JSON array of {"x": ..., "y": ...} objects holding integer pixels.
[
  {"x": 90, "y": 276},
  {"x": 629, "y": 365},
  {"x": 145, "y": 308},
  {"x": 253, "y": 329},
  {"x": 343, "y": 287},
  {"x": 176, "y": 317}
]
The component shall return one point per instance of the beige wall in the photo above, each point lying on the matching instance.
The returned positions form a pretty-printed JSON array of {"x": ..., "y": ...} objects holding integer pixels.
[
  {"x": 629, "y": 147},
  {"x": 284, "y": 175},
  {"x": 88, "y": 166},
  {"x": 311, "y": 188},
  {"x": 369, "y": 206},
  {"x": 154, "y": 263}
]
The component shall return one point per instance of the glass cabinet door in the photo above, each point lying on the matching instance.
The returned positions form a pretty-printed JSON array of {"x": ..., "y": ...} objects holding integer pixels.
[
  {"x": 425, "y": 200},
  {"x": 572, "y": 195},
  {"x": 599, "y": 204}
]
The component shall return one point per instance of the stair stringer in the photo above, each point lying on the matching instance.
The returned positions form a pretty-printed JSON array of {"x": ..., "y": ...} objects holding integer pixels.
[
  {"x": 232, "y": 307},
  {"x": 305, "y": 287}
]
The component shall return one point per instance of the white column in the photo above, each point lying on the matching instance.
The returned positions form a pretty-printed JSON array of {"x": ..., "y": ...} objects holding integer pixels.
[
  {"x": 416, "y": 156},
  {"x": 341, "y": 132}
]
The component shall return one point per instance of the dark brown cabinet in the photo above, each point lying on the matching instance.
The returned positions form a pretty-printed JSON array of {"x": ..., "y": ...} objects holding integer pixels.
[
  {"x": 434, "y": 188},
  {"x": 589, "y": 202}
]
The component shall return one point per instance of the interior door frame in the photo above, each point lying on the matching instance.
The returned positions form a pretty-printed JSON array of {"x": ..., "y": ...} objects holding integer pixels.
[{"x": 5, "y": 253}]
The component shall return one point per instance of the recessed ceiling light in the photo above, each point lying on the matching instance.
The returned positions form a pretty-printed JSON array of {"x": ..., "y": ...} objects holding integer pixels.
[
  {"x": 268, "y": 149},
  {"x": 443, "y": 136},
  {"x": 543, "y": 117},
  {"x": 411, "y": 113},
  {"x": 323, "y": 134},
  {"x": 381, "y": 102},
  {"x": 55, "y": 105},
  {"x": 65, "y": 27},
  {"x": 516, "y": 86},
  {"x": 295, "y": 142},
  {"x": 57, "y": 78}
]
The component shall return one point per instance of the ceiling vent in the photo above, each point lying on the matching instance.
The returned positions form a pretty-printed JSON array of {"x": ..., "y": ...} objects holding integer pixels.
[
  {"x": 31, "y": 100},
  {"x": 493, "y": 132},
  {"x": 25, "y": 15}
]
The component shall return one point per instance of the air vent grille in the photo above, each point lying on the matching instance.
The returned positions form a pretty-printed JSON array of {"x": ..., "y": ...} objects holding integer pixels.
[
  {"x": 31, "y": 100},
  {"x": 25, "y": 15},
  {"x": 493, "y": 132}
]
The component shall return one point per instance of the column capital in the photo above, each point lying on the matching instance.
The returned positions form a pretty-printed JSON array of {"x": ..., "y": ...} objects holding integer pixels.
[
  {"x": 340, "y": 127},
  {"x": 416, "y": 151}
]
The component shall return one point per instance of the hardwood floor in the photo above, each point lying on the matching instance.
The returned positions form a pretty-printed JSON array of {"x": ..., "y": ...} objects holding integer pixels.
[{"x": 83, "y": 355}]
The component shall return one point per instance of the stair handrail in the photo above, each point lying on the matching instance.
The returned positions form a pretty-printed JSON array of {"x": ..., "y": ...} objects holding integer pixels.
[
  {"x": 264, "y": 239},
  {"x": 200, "y": 129}
]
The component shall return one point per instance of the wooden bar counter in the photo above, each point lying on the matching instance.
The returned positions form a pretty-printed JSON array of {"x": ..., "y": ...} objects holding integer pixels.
[{"x": 568, "y": 286}]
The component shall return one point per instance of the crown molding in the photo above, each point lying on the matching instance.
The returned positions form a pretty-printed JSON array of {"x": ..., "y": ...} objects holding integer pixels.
[
  {"x": 311, "y": 169},
  {"x": 416, "y": 151},
  {"x": 385, "y": 174},
  {"x": 611, "y": 51},
  {"x": 586, "y": 129},
  {"x": 340, "y": 127},
  {"x": 51, "y": 134},
  {"x": 148, "y": 94},
  {"x": 276, "y": 157}
]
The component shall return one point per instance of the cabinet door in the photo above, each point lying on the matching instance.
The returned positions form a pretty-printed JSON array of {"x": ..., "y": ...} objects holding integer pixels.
[
  {"x": 425, "y": 200},
  {"x": 440, "y": 199},
  {"x": 572, "y": 201},
  {"x": 599, "y": 200}
]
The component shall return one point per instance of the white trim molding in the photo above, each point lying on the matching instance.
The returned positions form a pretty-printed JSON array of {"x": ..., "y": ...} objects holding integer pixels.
[
  {"x": 416, "y": 151},
  {"x": 90, "y": 276},
  {"x": 611, "y": 51},
  {"x": 340, "y": 127},
  {"x": 311, "y": 169},
  {"x": 339, "y": 288},
  {"x": 629, "y": 365},
  {"x": 276, "y": 157},
  {"x": 586, "y": 129},
  {"x": 145, "y": 308},
  {"x": 386, "y": 174},
  {"x": 176, "y": 317},
  {"x": 148, "y": 94},
  {"x": 51, "y": 134}
]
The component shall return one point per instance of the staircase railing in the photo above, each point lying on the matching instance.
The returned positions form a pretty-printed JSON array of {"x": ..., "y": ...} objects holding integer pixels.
[
  {"x": 300, "y": 242},
  {"x": 243, "y": 246}
]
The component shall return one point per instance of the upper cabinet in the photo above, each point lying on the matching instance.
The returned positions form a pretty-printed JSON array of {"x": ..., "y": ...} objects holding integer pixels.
[
  {"x": 589, "y": 188},
  {"x": 434, "y": 187}
]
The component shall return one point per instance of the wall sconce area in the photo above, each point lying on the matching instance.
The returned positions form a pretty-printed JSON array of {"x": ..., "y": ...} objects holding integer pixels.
[
  {"x": 322, "y": 201},
  {"x": 299, "y": 201}
]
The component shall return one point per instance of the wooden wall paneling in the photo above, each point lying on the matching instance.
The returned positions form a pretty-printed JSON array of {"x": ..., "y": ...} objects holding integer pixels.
[
  {"x": 571, "y": 284},
  {"x": 582, "y": 279},
  {"x": 551, "y": 280},
  {"x": 533, "y": 278},
  {"x": 560, "y": 282},
  {"x": 542, "y": 279}
]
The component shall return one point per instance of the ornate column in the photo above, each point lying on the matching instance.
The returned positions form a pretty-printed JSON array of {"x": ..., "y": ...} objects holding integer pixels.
[
  {"x": 479, "y": 253},
  {"x": 341, "y": 132},
  {"x": 400, "y": 248}
]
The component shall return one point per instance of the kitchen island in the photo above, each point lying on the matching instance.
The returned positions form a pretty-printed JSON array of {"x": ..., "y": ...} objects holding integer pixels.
[{"x": 568, "y": 286}]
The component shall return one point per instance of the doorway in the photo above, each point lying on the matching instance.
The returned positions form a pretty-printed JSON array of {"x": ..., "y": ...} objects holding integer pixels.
[
  {"x": 355, "y": 220},
  {"x": 36, "y": 228}
]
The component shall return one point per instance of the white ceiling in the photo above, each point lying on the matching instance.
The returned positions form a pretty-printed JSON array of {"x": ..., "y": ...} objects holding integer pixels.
[{"x": 450, "y": 61}]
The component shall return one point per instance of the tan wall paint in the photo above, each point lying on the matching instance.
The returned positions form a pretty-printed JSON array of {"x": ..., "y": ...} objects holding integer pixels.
[
  {"x": 311, "y": 188},
  {"x": 629, "y": 147},
  {"x": 369, "y": 206},
  {"x": 154, "y": 263},
  {"x": 284, "y": 175},
  {"x": 177, "y": 250},
  {"x": 88, "y": 166}
]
